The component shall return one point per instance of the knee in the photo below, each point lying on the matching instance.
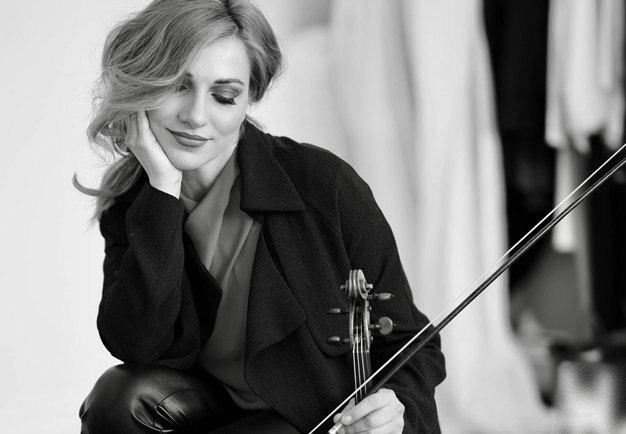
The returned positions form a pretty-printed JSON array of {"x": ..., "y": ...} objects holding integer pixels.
[{"x": 143, "y": 399}]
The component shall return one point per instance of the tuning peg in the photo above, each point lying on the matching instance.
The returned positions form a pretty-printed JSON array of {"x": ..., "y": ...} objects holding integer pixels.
[
  {"x": 384, "y": 325},
  {"x": 337, "y": 341},
  {"x": 368, "y": 286},
  {"x": 337, "y": 311},
  {"x": 383, "y": 296}
]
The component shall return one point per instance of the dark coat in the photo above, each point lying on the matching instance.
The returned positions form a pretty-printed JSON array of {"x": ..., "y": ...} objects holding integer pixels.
[{"x": 319, "y": 220}]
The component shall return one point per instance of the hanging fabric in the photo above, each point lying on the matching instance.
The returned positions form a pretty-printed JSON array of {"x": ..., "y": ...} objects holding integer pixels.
[
  {"x": 585, "y": 105},
  {"x": 460, "y": 224},
  {"x": 372, "y": 92},
  {"x": 518, "y": 59},
  {"x": 585, "y": 91}
]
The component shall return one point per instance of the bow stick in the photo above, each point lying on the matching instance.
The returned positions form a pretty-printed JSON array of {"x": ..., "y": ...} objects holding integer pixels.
[{"x": 528, "y": 240}]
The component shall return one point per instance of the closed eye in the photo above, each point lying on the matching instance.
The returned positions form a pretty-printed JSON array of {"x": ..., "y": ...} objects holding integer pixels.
[{"x": 221, "y": 99}]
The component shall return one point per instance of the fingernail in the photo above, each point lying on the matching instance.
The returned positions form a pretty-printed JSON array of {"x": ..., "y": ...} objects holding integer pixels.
[{"x": 346, "y": 420}]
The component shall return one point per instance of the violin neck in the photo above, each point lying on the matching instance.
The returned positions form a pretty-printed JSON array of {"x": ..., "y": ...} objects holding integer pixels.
[{"x": 362, "y": 371}]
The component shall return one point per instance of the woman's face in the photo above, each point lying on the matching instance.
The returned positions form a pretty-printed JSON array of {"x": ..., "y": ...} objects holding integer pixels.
[{"x": 201, "y": 120}]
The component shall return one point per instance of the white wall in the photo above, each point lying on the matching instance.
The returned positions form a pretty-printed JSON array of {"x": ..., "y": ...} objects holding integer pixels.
[{"x": 50, "y": 275}]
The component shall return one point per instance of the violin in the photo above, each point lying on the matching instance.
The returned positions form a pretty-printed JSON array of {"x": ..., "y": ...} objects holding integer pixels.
[
  {"x": 360, "y": 330},
  {"x": 358, "y": 286}
]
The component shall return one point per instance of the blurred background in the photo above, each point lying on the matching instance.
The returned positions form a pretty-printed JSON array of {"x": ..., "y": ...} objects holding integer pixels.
[{"x": 469, "y": 119}]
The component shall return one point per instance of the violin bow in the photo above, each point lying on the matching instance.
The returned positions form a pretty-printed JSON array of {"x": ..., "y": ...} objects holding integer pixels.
[{"x": 430, "y": 330}]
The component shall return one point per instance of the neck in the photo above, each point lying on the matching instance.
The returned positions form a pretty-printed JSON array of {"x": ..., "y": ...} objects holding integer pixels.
[{"x": 196, "y": 183}]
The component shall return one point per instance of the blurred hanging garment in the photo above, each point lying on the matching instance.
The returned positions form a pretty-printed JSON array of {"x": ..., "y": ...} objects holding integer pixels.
[
  {"x": 449, "y": 152},
  {"x": 585, "y": 123},
  {"x": 585, "y": 67},
  {"x": 585, "y": 91},
  {"x": 517, "y": 33},
  {"x": 371, "y": 86}
]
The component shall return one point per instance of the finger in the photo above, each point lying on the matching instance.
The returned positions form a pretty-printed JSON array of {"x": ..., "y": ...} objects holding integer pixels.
[
  {"x": 371, "y": 403},
  {"x": 388, "y": 419},
  {"x": 347, "y": 408},
  {"x": 145, "y": 136},
  {"x": 131, "y": 131},
  {"x": 143, "y": 125},
  {"x": 387, "y": 429}
]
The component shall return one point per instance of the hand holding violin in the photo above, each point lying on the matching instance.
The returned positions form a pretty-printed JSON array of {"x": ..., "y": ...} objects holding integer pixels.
[{"x": 378, "y": 413}]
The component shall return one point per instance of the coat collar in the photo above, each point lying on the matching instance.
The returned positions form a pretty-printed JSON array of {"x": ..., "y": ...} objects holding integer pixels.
[{"x": 265, "y": 186}]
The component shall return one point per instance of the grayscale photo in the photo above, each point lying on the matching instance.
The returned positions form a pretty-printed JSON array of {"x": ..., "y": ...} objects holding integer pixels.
[{"x": 318, "y": 217}]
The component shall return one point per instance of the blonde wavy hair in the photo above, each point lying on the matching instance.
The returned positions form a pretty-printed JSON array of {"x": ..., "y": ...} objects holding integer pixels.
[{"x": 144, "y": 59}]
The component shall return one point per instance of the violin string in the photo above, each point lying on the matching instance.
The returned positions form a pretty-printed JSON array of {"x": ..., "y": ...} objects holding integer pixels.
[
  {"x": 360, "y": 367},
  {"x": 368, "y": 371},
  {"x": 364, "y": 345},
  {"x": 364, "y": 321},
  {"x": 461, "y": 297},
  {"x": 359, "y": 323},
  {"x": 357, "y": 372},
  {"x": 360, "y": 353}
]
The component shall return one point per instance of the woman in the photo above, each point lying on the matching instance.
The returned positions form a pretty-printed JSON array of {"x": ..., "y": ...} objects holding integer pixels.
[{"x": 225, "y": 246}]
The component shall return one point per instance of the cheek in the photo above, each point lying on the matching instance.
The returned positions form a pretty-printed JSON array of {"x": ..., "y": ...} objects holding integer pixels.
[
  {"x": 229, "y": 122},
  {"x": 157, "y": 121},
  {"x": 158, "y": 117}
]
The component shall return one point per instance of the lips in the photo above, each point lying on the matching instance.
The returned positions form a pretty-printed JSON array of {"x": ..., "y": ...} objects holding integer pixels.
[{"x": 189, "y": 140}]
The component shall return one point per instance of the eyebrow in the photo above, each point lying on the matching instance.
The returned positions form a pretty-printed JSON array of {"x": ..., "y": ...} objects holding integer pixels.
[
  {"x": 221, "y": 80},
  {"x": 229, "y": 81}
]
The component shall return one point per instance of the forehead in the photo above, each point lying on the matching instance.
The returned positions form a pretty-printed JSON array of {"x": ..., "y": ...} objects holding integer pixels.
[{"x": 224, "y": 58}]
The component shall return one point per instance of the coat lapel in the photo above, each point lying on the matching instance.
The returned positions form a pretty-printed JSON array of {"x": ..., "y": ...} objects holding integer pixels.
[
  {"x": 281, "y": 296},
  {"x": 273, "y": 311},
  {"x": 281, "y": 300},
  {"x": 265, "y": 186}
]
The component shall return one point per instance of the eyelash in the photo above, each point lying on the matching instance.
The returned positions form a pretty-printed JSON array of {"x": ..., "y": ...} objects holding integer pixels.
[
  {"x": 224, "y": 100},
  {"x": 219, "y": 98}
]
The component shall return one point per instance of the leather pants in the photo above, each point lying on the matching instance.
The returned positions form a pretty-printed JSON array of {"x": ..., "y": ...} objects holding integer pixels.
[{"x": 133, "y": 399}]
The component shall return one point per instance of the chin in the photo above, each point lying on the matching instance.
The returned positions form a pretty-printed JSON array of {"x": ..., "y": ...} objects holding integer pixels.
[{"x": 185, "y": 161}]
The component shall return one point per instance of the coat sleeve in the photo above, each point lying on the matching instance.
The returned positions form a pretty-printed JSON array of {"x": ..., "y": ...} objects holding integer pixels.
[
  {"x": 143, "y": 272},
  {"x": 371, "y": 247}
]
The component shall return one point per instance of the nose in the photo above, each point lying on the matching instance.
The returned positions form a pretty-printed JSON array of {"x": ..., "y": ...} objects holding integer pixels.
[{"x": 194, "y": 112}]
